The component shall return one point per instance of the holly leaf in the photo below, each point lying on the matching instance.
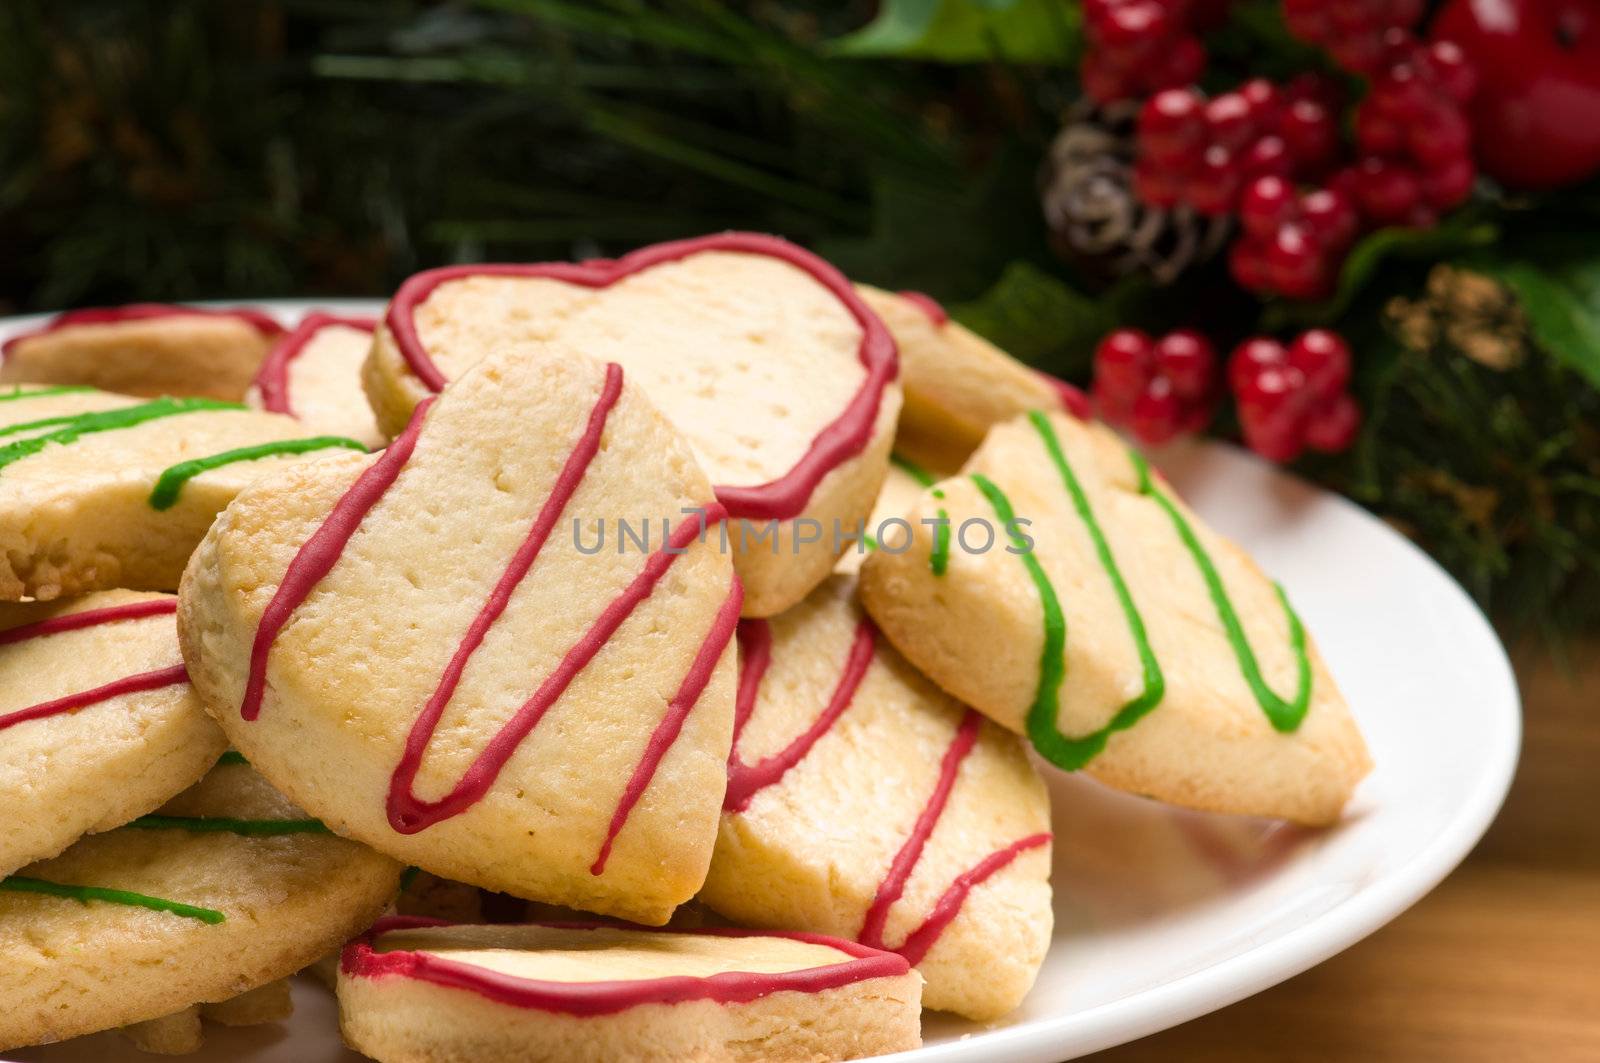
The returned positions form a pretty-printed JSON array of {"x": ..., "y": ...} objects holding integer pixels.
[
  {"x": 1039, "y": 318},
  {"x": 1463, "y": 231},
  {"x": 968, "y": 31},
  {"x": 1559, "y": 290}
]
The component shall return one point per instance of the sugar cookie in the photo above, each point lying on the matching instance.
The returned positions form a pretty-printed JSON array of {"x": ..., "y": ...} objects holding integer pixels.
[{"x": 313, "y": 374}]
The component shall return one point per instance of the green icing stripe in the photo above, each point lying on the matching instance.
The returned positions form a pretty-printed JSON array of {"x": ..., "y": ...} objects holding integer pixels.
[
  {"x": 1052, "y": 658},
  {"x": 913, "y": 470},
  {"x": 72, "y": 428},
  {"x": 1284, "y": 715},
  {"x": 19, "y": 884},
  {"x": 939, "y": 556},
  {"x": 249, "y": 828},
  {"x": 232, "y": 756},
  {"x": 1074, "y": 753},
  {"x": 43, "y": 393},
  {"x": 170, "y": 482}
]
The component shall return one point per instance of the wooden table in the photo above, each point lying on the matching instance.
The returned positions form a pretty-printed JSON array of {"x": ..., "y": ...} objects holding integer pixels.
[{"x": 1501, "y": 962}]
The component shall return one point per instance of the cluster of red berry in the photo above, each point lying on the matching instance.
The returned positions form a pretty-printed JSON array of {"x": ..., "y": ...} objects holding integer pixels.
[
  {"x": 1294, "y": 397},
  {"x": 1156, "y": 388},
  {"x": 1203, "y": 152},
  {"x": 1137, "y": 47},
  {"x": 1354, "y": 32}
]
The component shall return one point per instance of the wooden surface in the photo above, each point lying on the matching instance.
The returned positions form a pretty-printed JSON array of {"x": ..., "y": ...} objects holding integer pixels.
[{"x": 1501, "y": 962}]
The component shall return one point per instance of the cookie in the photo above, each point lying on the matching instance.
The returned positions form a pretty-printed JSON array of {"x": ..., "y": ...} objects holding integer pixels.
[
  {"x": 147, "y": 349},
  {"x": 864, "y": 802},
  {"x": 957, "y": 384},
  {"x": 98, "y": 723},
  {"x": 313, "y": 374},
  {"x": 99, "y": 491},
  {"x": 414, "y": 990},
  {"x": 1074, "y": 598},
  {"x": 182, "y": 1032},
  {"x": 778, "y": 374},
  {"x": 227, "y": 889},
  {"x": 430, "y": 650},
  {"x": 902, "y": 486}
]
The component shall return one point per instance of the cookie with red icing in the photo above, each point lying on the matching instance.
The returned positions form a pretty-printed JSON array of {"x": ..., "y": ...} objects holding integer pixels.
[
  {"x": 98, "y": 723},
  {"x": 225, "y": 890},
  {"x": 866, "y": 803},
  {"x": 779, "y": 376},
  {"x": 146, "y": 349},
  {"x": 957, "y": 384},
  {"x": 1061, "y": 587},
  {"x": 584, "y": 993},
  {"x": 313, "y": 374},
  {"x": 99, "y": 491},
  {"x": 454, "y": 653}
]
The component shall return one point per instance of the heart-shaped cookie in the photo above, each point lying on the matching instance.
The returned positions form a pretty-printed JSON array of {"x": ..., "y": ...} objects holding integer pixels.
[
  {"x": 98, "y": 723},
  {"x": 501, "y": 650},
  {"x": 864, "y": 802},
  {"x": 313, "y": 374},
  {"x": 1060, "y": 587},
  {"x": 780, "y": 377},
  {"x": 100, "y": 491},
  {"x": 148, "y": 349}
]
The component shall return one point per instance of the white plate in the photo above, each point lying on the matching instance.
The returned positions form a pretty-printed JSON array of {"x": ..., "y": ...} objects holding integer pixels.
[{"x": 1162, "y": 916}]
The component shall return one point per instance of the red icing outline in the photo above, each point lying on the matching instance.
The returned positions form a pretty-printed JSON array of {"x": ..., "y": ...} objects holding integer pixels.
[
  {"x": 836, "y": 443},
  {"x": 747, "y": 780},
  {"x": 272, "y": 379},
  {"x": 89, "y": 618},
  {"x": 263, "y": 322},
  {"x": 129, "y": 684},
  {"x": 931, "y": 308},
  {"x": 755, "y": 644},
  {"x": 361, "y": 960},
  {"x": 409, "y": 814}
]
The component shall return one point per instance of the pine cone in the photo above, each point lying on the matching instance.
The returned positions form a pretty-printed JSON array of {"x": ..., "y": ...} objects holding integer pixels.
[{"x": 1096, "y": 221}]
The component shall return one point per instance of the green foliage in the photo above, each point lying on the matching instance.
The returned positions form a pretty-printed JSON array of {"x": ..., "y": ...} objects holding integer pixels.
[
  {"x": 1558, "y": 285},
  {"x": 969, "y": 31}
]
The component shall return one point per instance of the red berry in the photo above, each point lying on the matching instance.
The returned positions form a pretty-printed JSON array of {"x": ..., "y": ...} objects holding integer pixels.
[
  {"x": 1378, "y": 134},
  {"x": 1308, "y": 129},
  {"x": 1452, "y": 70},
  {"x": 1102, "y": 81},
  {"x": 1449, "y": 185},
  {"x": 1386, "y": 191},
  {"x": 1268, "y": 156},
  {"x": 1214, "y": 185},
  {"x": 1134, "y": 22},
  {"x": 1331, "y": 217},
  {"x": 1185, "y": 62},
  {"x": 1157, "y": 183},
  {"x": 1263, "y": 98},
  {"x": 1250, "y": 357},
  {"x": 1332, "y": 427},
  {"x": 1188, "y": 360},
  {"x": 1270, "y": 414},
  {"x": 1267, "y": 202},
  {"x": 1229, "y": 120},
  {"x": 1445, "y": 139},
  {"x": 1122, "y": 361},
  {"x": 1247, "y": 261},
  {"x": 1171, "y": 123},
  {"x": 1324, "y": 358},
  {"x": 1294, "y": 263},
  {"x": 1157, "y": 413}
]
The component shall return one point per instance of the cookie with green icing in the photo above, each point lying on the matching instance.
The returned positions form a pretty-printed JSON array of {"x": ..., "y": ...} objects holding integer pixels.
[
  {"x": 1084, "y": 605},
  {"x": 99, "y": 491},
  {"x": 227, "y": 892}
]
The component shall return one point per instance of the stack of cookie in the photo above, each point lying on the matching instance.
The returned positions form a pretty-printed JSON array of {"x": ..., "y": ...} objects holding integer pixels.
[{"x": 697, "y": 577}]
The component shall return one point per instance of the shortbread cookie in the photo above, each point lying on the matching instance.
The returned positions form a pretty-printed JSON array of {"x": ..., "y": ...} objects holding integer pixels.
[
  {"x": 182, "y": 1032},
  {"x": 100, "y": 491},
  {"x": 98, "y": 723},
  {"x": 228, "y": 888},
  {"x": 1082, "y": 603},
  {"x": 902, "y": 486},
  {"x": 147, "y": 349},
  {"x": 864, "y": 802},
  {"x": 957, "y": 384},
  {"x": 761, "y": 353},
  {"x": 412, "y": 990},
  {"x": 313, "y": 374},
  {"x": 428, "y": 650}
]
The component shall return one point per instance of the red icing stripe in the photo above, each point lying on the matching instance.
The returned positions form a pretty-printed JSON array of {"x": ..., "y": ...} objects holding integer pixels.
[
  {"x": 1073, "y": 400},
  {"x": 89, "y": 618},
  {"x": 111, "y": 315},
  {"x": 360, "y": 959},
  {"x": 407, "y": 813},
  {"x": 131, "y": 684},
  {"x": 272, "y": 379},
  {"x": 747, "y": 780},
  {"x": 930, "y": 306},
  {"x": 755, "y": 644},
  {"x": 836, "y": 443}
]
